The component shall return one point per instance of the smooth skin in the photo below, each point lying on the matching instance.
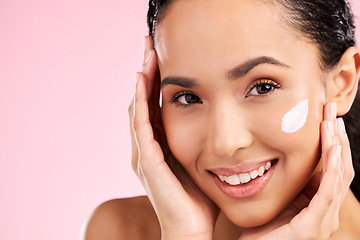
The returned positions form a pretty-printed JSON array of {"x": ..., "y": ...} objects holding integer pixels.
[
  {"x": 135, "y": 217},
  {"x": 181, "y": 209}
]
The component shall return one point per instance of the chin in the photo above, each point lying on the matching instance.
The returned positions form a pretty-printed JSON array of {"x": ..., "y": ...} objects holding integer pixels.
[{"x": 252, "y": 219}]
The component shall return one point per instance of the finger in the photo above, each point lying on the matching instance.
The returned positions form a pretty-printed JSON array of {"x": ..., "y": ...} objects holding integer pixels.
[
  {"x": 150, "y": 69},
  {"x": 328, "y": 133},
  {"x": 150, "y": 155},
  {"x": 150, "y": 65},
  {"x": 329, "y": 111},
  {"x": 143, "y": 133},
  {"x": 141, "y": 123},
  {"x": 332, "y": 188},
  {"x": 346, "y": 174},
  {"x": 346, "y": 163},
  {"x": 323, "y": 200},
  {"x": 147, "y": 48},
  {"x": 331, "y": 219},
  {"x": 152, "y": 169},
  {"x": 151, "y": 72},
  {"x": 134, "y": 151}
]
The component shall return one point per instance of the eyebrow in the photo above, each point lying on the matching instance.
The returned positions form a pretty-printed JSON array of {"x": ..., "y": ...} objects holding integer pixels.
[
  {"x": 244, "y": 68},
  {"x": 235, "y": 73},
  {"x": 180, "y": 81}
]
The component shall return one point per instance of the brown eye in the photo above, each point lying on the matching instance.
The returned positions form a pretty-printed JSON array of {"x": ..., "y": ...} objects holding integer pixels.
[
  {"x": 185, "y": 99},
  {"x": 189, "y": 99},
  {"x": 263, "y": 87}
]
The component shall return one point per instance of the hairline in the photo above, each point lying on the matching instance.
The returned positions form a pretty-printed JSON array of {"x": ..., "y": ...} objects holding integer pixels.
[{"x": 286, "y": 21}]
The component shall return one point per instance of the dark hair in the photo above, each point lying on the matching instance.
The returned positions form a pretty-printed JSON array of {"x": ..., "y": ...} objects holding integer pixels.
[
  {"x": 155, "y": 13},
  {"x": 328, "y": 24}
]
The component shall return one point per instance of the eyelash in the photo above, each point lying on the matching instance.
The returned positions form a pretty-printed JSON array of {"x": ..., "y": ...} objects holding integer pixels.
[
  {"x": 274, "y": 85},
  {"x": 175, "y": 98}
]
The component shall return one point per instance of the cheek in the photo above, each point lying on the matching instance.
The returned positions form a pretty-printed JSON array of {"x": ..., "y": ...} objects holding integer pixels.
[
  {"x": 306, "y": 119},
  {"x": 298, "y": 152},
  {"x": 184, "y": 138},
  {"x": 300, "y": 149},
  {"x": 295, "y": 119},
  {"x": 295, "y": 128}
]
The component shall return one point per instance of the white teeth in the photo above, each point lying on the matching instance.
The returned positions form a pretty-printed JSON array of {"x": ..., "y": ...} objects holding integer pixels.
[
  {"x": 222, "y": 178},
  {"x": 254, "y": 174},
  {"x": 233, "y": 180},
  {"x": 242, "y": 178},
  {"x": 261, "y": 171},
  {"x": 268, "y": 166}
]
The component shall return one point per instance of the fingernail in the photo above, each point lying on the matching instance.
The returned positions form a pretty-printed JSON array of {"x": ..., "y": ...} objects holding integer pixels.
[
  {"x": 332, "y": 110},
  {"x": 145, "y": 44},
  {"x": 330, "y": 127},
  {"x": 148, "y": 56},
  {"x": 342, "y": 124},
  {"x": 147, "y": 49}
]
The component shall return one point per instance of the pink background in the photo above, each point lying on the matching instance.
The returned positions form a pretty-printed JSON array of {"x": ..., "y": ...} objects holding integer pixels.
[{"x": 67, "y": 73}]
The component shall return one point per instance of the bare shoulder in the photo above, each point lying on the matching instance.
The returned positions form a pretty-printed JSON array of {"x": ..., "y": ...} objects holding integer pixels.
[{"x": 126, "y": 218}]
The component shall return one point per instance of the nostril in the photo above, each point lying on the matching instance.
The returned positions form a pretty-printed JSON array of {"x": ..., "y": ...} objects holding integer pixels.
[
  {"x": 223, "y": 148},
  {"x": 225, "y": 145}
]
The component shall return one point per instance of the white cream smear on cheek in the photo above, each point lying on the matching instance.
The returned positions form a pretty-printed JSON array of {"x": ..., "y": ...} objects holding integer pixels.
[{"x": 295, "y": 119}]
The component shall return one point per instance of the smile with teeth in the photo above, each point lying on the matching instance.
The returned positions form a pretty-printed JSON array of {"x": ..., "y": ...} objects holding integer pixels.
[{"x": 243, "y": 178}]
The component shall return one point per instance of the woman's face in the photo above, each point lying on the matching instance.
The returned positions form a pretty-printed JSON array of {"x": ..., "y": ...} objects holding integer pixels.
[{"x": 230, "y": 71}]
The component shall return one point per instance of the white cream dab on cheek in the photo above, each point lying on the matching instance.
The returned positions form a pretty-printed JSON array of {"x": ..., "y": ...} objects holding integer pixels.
[{"x": 295, "y": 119}]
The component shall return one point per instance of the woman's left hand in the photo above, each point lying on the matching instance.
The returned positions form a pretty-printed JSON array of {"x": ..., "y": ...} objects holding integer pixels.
[{"x": 314, "y": 214}]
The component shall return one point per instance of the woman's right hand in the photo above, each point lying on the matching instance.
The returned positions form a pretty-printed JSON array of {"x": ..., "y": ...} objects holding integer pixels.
[{"x": 184, "y": 212}]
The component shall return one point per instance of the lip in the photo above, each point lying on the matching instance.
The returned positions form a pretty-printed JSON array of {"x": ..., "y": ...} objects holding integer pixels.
[{"x": 246, "y": 190}]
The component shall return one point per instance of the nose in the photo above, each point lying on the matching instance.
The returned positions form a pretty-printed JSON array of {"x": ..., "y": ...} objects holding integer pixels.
[{"x": 227, "y": 131}]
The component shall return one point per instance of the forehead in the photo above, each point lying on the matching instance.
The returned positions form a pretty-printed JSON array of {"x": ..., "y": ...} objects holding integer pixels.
[
  {"x": 198, "y": 33},
  {"x": 188, "y": 15}
]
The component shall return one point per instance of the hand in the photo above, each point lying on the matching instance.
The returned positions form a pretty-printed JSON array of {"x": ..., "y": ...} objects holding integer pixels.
[
  {"x": 184, "y": 212},
  {"x": 314, "y": 213}
]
